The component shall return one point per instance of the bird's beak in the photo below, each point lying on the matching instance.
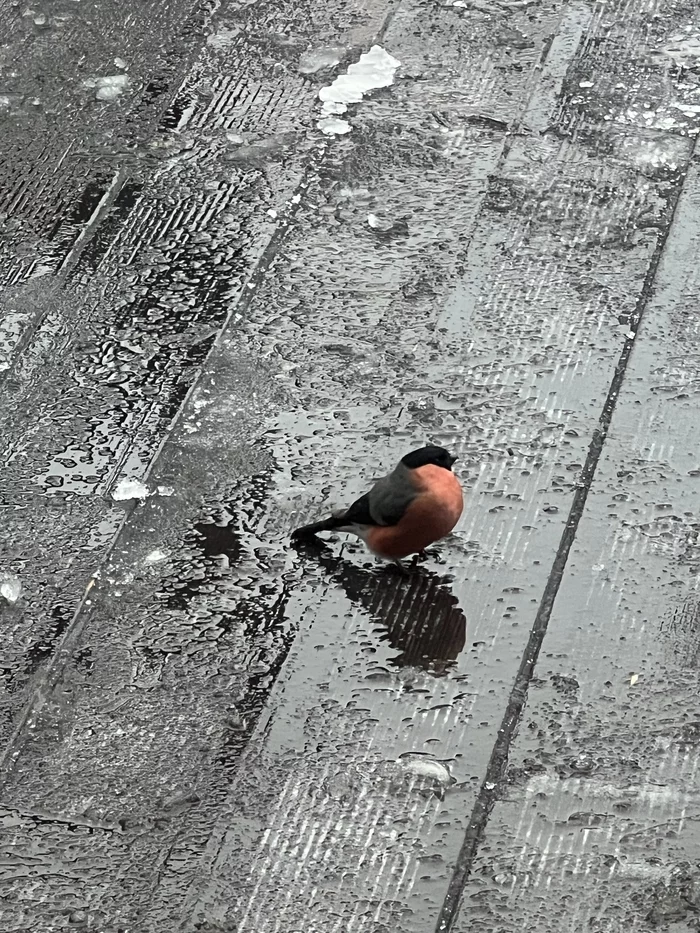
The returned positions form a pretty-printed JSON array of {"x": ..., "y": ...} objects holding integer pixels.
[{"x": 453, "y": 460}]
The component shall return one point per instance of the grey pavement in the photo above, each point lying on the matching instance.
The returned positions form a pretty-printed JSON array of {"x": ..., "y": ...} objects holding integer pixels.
[{"x": 218, "y": 320}]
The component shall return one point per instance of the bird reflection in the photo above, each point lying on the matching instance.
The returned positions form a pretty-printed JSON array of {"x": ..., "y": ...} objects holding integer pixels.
[{"x": 417, "y": 612}]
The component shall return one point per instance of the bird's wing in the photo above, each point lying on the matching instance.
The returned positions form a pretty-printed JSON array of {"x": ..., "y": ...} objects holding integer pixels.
[
  {"x": 390, "y": 496},
  {"x": 358, "y": 513},
  {"x": 385, "y": 503}
]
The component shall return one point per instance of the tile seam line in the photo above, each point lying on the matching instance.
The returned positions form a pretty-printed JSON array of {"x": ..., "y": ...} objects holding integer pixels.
[
  {"x": 50, "y": 677},
  {"x": 489, "y": 792},
  {"x": 63, "y": 272}
]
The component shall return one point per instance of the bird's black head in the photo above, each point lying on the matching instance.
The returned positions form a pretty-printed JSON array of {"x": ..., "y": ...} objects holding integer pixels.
[{"x": 430, "y": 454}]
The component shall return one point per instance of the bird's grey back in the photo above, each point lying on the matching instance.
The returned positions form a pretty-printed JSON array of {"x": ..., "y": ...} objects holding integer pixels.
[{"x": 391, "y": 495}]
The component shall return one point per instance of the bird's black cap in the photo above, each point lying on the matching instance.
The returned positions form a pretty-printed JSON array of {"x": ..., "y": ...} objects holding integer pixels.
[{"x": 437, "y": 456}]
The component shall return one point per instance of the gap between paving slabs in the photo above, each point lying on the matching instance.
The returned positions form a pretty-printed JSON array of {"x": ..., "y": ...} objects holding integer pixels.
[{"x": 596, "y": 826}]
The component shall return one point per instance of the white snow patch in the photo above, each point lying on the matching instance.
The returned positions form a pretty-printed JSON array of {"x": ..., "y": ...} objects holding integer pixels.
[
  {"x": 10, "y": 587},
  {"x": 333, "y": 106},
  {"x": 109, "y": 87},
  {"x": 379, "y": 223},
  {"x": 333, "y": 126},
  {"x": 688, "y": 110},
  {"x": 375, "y": 69},
  {"x": 129, "y": 489}
]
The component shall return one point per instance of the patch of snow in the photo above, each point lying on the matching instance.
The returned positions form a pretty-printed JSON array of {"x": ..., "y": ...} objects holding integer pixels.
[
  {"x": 375, "y": 69},
  {"x": 333, "y": 126},
  {"x": 129, "y": 489},
  {"x": 109, "y": 87},
  {"x": 10, "y": 587}
]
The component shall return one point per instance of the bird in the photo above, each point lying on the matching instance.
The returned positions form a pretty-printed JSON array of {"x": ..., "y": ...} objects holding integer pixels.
[{"x": 416, "y": 504}]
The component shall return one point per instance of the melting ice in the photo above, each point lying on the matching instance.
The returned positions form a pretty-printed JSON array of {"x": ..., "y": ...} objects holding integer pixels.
[
  {"x": 129, "y": 489},
  {"x": 10, "y": 587},
  {"x": 109, "y": 87},
  {"x": 375, "y": 69}
]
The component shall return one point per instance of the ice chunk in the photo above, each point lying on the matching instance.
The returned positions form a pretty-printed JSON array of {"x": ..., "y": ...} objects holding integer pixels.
[
  {"x": 332, "y": 126},
  {"x": 378, "y": 223},
  {"x": 10, "y": 587},
  {"x": 427, "y": 766},
  {"x": 223, "y": 38},
  {"x": 129, "y": 489},
  {"x": 111, "y": 87},
  {"x": 332, "y": 106},
  {"x": 688, "y": 110},
  {"x": 375, "y": 69}
]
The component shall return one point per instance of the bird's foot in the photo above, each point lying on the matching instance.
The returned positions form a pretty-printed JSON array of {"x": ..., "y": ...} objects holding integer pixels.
[
  {"x": 302, "y": 540},
  {"x": 401, "y": 567},
  {"x": 426, "y": 554}
]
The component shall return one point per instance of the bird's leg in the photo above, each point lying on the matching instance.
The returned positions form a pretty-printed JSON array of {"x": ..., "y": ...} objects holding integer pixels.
[
  {"x": 401, "y": 567},
  {"x": 420, "y": 556}
]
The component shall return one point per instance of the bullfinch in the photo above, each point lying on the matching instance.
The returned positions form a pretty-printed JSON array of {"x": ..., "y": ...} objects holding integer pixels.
[{"x": 407, "y": 510}]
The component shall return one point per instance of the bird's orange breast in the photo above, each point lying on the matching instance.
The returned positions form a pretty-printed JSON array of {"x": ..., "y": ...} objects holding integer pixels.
[{"x": 431, "y": 515}]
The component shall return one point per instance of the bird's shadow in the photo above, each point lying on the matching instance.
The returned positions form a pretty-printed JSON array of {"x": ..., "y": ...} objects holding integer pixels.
[{"x": 415, "y": 609}]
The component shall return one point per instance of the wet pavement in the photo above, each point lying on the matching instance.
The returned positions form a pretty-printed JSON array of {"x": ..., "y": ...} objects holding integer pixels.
[{"x": 223, "y": 313}]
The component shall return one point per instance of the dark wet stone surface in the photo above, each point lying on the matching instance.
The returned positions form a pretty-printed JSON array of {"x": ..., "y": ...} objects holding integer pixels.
[{"x": 217, "y": 322}]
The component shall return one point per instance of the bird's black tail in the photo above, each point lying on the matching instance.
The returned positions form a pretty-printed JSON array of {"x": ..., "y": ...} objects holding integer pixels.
[{"x": 328, "y": 524}]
